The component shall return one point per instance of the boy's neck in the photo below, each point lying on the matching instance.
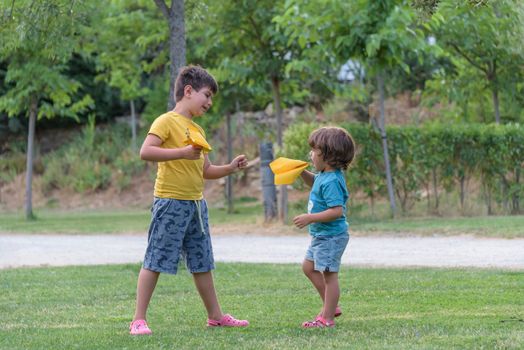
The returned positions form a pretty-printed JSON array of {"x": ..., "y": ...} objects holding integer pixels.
[
  {"x": 184, "y": 112},
  {"x": 328, "y": 169}
]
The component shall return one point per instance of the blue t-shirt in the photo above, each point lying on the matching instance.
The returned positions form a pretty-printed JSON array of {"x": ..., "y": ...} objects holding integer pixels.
[{"x": 329, "y": 190}]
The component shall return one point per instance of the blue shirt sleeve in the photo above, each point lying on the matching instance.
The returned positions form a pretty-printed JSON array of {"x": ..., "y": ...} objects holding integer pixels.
[{"x": 334, "y": 194}]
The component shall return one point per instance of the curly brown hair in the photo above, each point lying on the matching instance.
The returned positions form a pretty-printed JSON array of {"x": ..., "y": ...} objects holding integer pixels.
[
  {"x": 335, "y": 144},
  {"x": 196, "y": 77}
]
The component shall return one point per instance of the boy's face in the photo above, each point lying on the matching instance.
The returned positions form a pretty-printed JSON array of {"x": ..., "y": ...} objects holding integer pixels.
[
  {"x": 201, "y": 101},
  {"x": 317, "y": 159}
]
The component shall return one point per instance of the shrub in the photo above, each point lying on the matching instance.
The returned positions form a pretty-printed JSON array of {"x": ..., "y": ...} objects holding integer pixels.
[
  {"x": 435, "y": 155},
  {"x": 98, "y": 157}
]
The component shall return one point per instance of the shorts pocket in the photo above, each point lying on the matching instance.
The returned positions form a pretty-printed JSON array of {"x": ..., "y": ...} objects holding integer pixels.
[{"x": 160, "y": 207}]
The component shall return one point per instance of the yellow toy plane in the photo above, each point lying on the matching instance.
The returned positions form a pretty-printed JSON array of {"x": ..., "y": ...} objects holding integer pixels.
[
  {"x": 196, "y": 139},
  {"x": 287, "y": 170}
]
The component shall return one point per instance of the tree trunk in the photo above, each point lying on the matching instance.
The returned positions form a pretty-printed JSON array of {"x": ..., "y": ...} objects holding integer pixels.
[
  {"x": 275, "y": 84},
  {"x": 229, "y": 179},
  {"x": 495, "y": 95},
  {"x": 492, "y": 78},
  {"x": 504, "y": 186},
  {"x": 372, "y": 204},
  {"x": 133, "y": 125},
  {"x": 177, "y": 42},
  {"x": 382, "y": 127},
  {"x": 177, "y": 46},
  {"x": 489, "y": 207},
  {"x": 268, "y": 181},
  {"x": 240, "y": 135},
  {"x": 435, "y": 189},
  {"x": 278, "y": 112},
  {"x": 29, "y": 165},
  {"x": 515, "y": 196},
  {"x": 428, "y": 197},
  {"x": 462, "y": 192}
]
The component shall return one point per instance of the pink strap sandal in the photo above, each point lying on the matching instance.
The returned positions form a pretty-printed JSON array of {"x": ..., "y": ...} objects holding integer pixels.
[
  {"x": 338, "y": 312},
  {"x": 319, "y": 322},
  {"x": 139, "y": 327},
  {"x": 227, "y": 321}
]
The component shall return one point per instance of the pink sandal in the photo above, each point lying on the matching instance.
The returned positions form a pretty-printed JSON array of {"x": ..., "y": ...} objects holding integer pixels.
[
  {"x": 319, "y": 322},
  {"x": 338, "y": 312},
  {"x": 139, "y": 327},
  {"x": 227, "y": 321}
]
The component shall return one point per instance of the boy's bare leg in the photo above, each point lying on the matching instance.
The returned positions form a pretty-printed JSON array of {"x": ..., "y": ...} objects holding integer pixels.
[
  {"x": 206, "y": 289},
  {"x": 147, "y": 280},
  {"x": 316, "y": 278},
  {"x": 332, "y": 295}
]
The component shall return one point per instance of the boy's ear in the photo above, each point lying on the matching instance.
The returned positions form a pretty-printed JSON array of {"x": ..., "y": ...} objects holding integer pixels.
[{"x": 188, "y": 89}]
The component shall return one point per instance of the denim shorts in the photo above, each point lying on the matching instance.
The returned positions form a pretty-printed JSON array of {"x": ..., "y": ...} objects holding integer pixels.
[
  {"x": 179, "y": 228},
  {"x": 326, "y": 251}
]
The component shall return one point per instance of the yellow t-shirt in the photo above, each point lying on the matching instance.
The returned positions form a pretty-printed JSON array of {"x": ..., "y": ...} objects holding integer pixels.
[{"x": 182, "y": 178}]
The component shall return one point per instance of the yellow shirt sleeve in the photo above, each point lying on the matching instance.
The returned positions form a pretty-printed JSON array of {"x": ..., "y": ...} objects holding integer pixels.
[{"x": 160, "y": 127}]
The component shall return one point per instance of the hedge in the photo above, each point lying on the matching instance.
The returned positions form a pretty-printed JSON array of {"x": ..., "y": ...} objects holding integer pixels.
[{"x": 431, "y": 158}]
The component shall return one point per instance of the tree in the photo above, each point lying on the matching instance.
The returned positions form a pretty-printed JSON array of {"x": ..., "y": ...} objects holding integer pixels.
[
  {"x": 381, "y": 33},
  {"x": 38, "y": 39},
  {"x": 253, "y": 52},
  {"x": 378, "y": 33},
  {"x": 486, "y": 36},
  {"x": 117, "y": 53},
  {"x": 315, "y": 67},
  {"x": 230, "y": 101},
  {"x": 174, "y": 15}
]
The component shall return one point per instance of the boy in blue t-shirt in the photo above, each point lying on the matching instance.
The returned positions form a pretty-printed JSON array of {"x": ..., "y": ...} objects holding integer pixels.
[{"x": 332, "y": 150}]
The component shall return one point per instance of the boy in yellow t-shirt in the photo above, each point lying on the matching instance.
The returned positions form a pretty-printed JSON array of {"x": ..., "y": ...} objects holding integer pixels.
[{"x": 179, "y": 224}]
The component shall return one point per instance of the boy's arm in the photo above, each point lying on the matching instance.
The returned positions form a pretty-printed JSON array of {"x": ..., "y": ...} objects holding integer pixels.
[
  {"x": 308, "y": 177},
  {"x": 327, "y": 215},
  {"x": 152, "y": 151},
  {"x": 217, "y": 171}
]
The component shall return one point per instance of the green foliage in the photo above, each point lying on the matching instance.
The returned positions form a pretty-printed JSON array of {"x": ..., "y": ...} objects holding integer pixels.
[
  {"x": 76, "y": 170},
  {"x": 367, "y": 170},
  {"x": 485, "y": 44},
  {"x": 252, "y": 57},
  {"x": 126, "y": 165},
  {"x": 156, "y": 99},
  {"x": 38, "y": 39},
  {"x": 12, "y": 161},
  {"x": 57, "y": 91},
  {"x": 120, "y": 59},
  {"x": 381, "y": 33},
  {"x": 98, "y": 158},
  {"x": 489, "y": 154},
  {"x": 11, "y": 165},
  {"x": 295, "y": 141}
]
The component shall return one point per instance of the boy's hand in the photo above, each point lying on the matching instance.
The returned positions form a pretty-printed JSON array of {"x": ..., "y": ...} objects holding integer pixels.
[
  {"x": 240, "y": 162},
  {"x": 302, "y": 221},
  {"x": 192, "y": 152}
]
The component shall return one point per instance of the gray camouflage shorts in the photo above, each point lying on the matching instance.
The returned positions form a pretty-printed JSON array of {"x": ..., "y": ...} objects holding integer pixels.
[{"x": 179, "y": 228}]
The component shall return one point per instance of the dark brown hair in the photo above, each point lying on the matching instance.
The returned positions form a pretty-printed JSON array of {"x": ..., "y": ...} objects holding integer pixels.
[
  {"x": 335, "y": 144},
  {"x": 196, "y": 77}
]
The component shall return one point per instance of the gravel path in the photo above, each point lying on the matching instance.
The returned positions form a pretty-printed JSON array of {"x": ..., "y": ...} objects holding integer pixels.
[{"x": 457, "y": 251}]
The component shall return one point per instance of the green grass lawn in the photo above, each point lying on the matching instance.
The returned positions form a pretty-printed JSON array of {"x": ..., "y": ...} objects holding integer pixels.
[
  {"x": 90, "y": 308},
  {"x": 77, "y": 222},
  {"x": 485, "y": 226},
  {"x": 96, "y": 222}
]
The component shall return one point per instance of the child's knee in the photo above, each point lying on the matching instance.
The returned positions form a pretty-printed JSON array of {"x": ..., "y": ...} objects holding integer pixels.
[
  {"x": 308, "y": 267},
  {"x": 331, "y": 277}
]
